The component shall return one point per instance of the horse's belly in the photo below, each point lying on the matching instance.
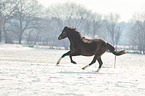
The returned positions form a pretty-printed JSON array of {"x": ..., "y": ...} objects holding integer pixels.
[{"x": 88, "y": 53}]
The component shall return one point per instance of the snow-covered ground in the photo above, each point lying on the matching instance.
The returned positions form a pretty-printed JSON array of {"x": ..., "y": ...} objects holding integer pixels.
[{"x": 33, "y": 72}]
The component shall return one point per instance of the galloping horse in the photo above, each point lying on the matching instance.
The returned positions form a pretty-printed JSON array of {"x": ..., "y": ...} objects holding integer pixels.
[{"x": 87, "y": 47}]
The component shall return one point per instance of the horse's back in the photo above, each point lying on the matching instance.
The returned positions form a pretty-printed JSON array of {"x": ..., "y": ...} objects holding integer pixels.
[{"x": 91, "y": 46}]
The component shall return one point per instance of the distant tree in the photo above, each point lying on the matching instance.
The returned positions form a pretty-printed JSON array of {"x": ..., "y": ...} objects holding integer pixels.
[
  {"x": 112, "y": 28},
  {"x": 69, "y": 12},
  {"x": 137, "y": 36},
  {"x": 7, "y": 8},
  {"x": 74, "y": 15},
  {"x": 96, "y": 25},
  {"x": 137, "y": 33},
  {"x": 25, "y": 17},
  {"x": 2, "y": 19},
  {"x": 86, "y": 26}
]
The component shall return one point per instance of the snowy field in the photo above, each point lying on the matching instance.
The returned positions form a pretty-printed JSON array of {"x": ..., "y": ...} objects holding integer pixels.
[{"x": 33, "y": 72}]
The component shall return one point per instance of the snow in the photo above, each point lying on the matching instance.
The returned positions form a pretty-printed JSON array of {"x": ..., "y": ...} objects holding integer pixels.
[{"x": 27, "y": 71}]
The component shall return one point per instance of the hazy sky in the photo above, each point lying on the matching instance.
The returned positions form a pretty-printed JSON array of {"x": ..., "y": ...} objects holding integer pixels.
[{"x": 125, "y": 8}]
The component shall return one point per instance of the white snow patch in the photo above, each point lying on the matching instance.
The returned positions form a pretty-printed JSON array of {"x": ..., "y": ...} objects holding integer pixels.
[{"x": 33, "y": 72}]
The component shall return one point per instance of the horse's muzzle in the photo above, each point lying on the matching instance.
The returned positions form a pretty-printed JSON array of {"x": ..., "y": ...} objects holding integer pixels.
[{"x": 59, "y": 38}]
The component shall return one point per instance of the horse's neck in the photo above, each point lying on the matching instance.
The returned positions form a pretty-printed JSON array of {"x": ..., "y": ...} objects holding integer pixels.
[{"x": 75, "y": 41}]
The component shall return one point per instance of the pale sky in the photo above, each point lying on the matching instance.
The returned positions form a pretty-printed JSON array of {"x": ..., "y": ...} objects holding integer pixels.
[{"x": 125, "y": 8}]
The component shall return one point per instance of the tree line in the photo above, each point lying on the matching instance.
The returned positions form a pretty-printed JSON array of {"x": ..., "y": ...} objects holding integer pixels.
[{"x": 27, "y": 21}]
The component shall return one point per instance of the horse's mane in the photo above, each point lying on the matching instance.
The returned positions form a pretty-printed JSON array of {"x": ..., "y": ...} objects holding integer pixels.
[{"x": 75, "y": 33}]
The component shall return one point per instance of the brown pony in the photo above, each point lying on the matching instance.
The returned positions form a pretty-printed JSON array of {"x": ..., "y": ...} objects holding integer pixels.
[{"x": 87, "y": 47}]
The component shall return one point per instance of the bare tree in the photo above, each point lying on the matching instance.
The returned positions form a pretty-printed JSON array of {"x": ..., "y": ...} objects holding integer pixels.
[
  {"x": 24, "y": 20},
  {"x": 7, "y": 8},
  {"x": 96, "y": 26},
  {"x": 119, "y": 29},
  {"x": 66, "y": 14},
  {"x": 71, "y": 12},
  {"x": 112, "y": 28},
  {"x": 25, "y": 17},
  {"x": 2, "y": 18},
  {"x": 138, "y": 35},
  {"x": 74, "y": 15}
]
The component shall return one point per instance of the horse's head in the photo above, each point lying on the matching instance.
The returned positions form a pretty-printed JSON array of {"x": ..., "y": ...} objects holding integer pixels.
[{"x": 64, "y": 33}]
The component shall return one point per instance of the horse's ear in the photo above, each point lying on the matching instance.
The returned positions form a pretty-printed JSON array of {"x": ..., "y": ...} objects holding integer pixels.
[{"x": 66, "y": 27}]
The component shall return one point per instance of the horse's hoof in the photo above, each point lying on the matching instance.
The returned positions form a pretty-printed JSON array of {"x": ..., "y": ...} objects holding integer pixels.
[
  {"x": 98, "y": 70},
  {"x": 83, "y": 68},
  {"x": 57, "y": 63},
  {"x": 73, "y": 62}
]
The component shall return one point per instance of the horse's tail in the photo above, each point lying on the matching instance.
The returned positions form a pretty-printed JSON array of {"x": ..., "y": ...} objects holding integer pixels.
[{"x": 112, "y": 49}]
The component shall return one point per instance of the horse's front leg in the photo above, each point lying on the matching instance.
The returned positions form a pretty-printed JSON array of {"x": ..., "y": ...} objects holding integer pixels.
[
  {"x": 74, "y": 54},
  {"x": 72, "y": 61},
  {"x": 65, "y": 54},
  {"x": 100, "y": 64}
]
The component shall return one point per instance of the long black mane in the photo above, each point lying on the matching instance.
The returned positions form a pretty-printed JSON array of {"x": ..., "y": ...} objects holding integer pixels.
[
  {"x": 74, "y": 33},
  {"x": 78, "y": 37}
]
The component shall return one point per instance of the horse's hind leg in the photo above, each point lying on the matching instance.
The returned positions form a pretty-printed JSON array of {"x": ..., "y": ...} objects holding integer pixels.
[
  {"x": 65, "y": 54},
  {"x": 100, "y": 64},
  {"x": 98, "y": 58},
  {"x": 93, "y": 61}
]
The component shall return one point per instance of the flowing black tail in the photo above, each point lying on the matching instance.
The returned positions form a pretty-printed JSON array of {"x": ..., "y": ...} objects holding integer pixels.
[{"x": 112, "y": 49}]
